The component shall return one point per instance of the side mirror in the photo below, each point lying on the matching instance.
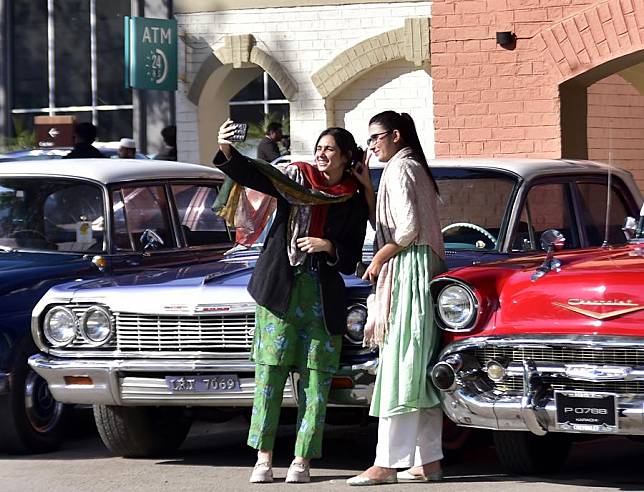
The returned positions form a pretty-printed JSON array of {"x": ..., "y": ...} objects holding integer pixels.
[
  {"x": 630, "y": 228},
  {"x": 150, "y": 240},
  {"x": 552, "y": 240}
]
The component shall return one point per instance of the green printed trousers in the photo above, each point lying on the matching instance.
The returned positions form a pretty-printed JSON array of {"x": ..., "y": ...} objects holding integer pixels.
[{"x": 313, "y": 392}]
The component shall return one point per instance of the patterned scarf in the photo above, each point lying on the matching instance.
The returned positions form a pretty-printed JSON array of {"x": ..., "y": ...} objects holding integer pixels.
[{"x": 301, "y": 185}]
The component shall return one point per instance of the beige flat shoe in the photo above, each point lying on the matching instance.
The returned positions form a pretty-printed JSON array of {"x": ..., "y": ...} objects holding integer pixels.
[
  {"x": 298, "y": 472},
  {"x": 360, "y": 481},
  {"x": 405, "y": 476},
  {"x": 262, "y": 473}
]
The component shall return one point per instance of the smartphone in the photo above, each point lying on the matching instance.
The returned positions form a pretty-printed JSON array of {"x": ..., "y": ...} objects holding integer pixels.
[{"x": 241, "y": 131}]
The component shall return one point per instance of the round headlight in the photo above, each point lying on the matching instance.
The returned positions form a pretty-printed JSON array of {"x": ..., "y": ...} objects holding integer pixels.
[
  {"x": 59, "y": 326},
  {"x": 96, "y": 325},
  {"x": 356, "y": 319},
  {"x": 456, "y": 307}
]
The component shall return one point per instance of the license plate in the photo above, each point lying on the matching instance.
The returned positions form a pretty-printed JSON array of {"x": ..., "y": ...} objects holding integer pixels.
[
  {"x": 203, "y": 384},
  {"x": 586, "y": 412}
]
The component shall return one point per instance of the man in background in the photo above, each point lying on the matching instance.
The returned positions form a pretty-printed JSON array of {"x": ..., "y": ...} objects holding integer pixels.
[
  {"x": 169, "y": 151},
  {"x": 84, "y": 136},
  {"x": 127, "y": 148},
  {"x": 268, "y": 150}
]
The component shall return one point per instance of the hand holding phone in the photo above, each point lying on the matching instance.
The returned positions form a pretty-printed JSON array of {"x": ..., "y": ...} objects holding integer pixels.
[{"x": 241, "y": 131}]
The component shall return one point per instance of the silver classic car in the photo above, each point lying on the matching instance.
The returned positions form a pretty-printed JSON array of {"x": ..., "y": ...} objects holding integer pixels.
[{"x": 148, "y": 348}]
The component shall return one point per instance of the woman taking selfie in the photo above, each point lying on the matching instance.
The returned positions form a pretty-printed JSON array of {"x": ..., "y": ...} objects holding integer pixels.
[
  {"x": 317, "y": 232},
  {"x": 409, "y": 252}
]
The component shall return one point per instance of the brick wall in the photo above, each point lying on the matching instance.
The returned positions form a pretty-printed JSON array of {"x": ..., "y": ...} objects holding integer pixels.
[
  {"x": 302, "y": 40},
  {"x": 616, "y": 122},
  {"x": 505, "y": 102}
]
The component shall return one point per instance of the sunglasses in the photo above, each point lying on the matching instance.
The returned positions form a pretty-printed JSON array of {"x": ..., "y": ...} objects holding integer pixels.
[{"x": 376, "y": 137}]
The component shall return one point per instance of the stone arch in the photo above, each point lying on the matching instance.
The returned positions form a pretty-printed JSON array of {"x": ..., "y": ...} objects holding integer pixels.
[
  {"x": 221, "y": 75},
  {"x": 240, "y": 51},
  {"x": 410, "y": 42},
  {"x": 605, "y": 36}
]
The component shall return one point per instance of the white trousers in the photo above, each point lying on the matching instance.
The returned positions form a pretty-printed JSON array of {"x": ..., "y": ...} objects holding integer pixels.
[{"x": 410, "y": 439}]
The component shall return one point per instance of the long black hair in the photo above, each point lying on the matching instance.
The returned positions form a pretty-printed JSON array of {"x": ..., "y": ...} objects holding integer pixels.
[
  {"x": 403, "y": 122},
  {"x": 345, "y": 142}
]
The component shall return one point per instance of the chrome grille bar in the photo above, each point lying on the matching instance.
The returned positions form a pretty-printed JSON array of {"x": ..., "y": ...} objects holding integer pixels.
[
  {"x": 207, "y": 333},
  {"x": 565, "y": 355}
]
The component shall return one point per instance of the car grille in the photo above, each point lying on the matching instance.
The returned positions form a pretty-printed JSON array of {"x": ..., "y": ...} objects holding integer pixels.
[
  {"x": 212, "y": 333},
  {"x": 631, "y": 357},
  {"x": 515, "y": 384},
  {"x": 564, "y": 355}
]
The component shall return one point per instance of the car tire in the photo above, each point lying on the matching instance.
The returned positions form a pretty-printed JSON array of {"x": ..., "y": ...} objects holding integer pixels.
[
  {"x": 31, "y": 421},
  {"x": 523, "y": 453},
  {"x": 141, "y": 432}
]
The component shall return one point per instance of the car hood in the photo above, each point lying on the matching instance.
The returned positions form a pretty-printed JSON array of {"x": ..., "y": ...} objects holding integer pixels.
[
  {"x": 594, "y": 293},
  {"x": 214, "y": 287},
  {"x": 23, "y": 260}
]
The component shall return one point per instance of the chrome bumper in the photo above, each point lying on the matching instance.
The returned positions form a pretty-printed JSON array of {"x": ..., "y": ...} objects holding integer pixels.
[
  {"x": 4, "y": 383},
  {"x": 142, "y": 382},
  {"x": 529, "y": 410}
]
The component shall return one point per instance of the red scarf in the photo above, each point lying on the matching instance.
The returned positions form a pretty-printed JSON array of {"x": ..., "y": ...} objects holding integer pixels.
[{"x": 316, "y": 180}]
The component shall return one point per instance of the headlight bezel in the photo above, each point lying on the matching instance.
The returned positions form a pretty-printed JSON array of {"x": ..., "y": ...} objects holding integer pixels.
[
  {"x": 82, "y": 326},
  {"x": 351, "y": 337},
  {"x": 46, "y": 331},
  {"x": 473, "y": 298}
]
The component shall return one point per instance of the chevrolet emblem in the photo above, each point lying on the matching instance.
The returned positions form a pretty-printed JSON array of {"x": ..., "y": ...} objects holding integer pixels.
[{"x": 627, "y": 306}]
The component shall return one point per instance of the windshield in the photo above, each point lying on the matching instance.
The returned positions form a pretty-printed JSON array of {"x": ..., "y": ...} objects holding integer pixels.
[{"x": 51, "y": 214}]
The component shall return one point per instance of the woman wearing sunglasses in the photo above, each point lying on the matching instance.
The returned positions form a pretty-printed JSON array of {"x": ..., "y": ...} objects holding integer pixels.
[{"x": 409, "y": 252}]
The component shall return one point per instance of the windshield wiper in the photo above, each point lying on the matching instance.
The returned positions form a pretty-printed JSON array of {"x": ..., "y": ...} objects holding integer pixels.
[{"x": 7, "y": 249}]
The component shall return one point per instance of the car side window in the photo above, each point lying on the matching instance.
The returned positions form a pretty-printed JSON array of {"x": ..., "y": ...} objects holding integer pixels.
[
  {"x": 593, "y": 202},
  {"x": 199, "y": 224},
  {"x": 73, "y": 218},
  {"x": 140, "y": 209},
  {"x": 548, "y": 206}
]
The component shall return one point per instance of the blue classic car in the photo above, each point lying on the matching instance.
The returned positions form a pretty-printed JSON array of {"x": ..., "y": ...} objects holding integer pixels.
[
  {"x": 147, "y": 348},
  {"x": 64, "y": 220}
]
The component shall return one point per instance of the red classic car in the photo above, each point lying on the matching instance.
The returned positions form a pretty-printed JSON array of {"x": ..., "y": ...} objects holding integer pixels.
[{"x": 543, "y": 350}]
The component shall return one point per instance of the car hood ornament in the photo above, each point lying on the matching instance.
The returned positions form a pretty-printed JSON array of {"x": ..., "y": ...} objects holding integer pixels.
[{"x": 615, "y": 308}]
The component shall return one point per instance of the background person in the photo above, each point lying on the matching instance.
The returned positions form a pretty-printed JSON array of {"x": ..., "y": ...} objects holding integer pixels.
[
  {"x": 297, "y": 285},
  {"x": 127, "y": 148},
  {"x": 267, "y": 149},
  {"x": 169, "y": 151},
  {"x": 409, "y": 252},
  {"x": 84, "y": 136}
]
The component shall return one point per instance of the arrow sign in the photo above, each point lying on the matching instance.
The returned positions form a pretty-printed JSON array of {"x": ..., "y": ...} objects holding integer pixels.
[{"x": 53, "y": 132}]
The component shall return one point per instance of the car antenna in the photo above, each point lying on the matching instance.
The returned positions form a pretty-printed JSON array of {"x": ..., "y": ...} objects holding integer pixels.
[{"x": 610, "y": 182}]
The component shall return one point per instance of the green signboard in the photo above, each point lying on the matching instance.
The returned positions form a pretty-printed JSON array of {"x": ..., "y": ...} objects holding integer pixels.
[{"x": 151, "y": 53}]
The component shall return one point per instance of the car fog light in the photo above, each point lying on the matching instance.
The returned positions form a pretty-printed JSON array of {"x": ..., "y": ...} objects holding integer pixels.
[
  {"x": 443, "y": 376},
  {"x": 356, "y": 319},
  {"x": 59, "y": 326},
  {"x": 495, "y": 371},
  {"x": 96, "y": 325}
]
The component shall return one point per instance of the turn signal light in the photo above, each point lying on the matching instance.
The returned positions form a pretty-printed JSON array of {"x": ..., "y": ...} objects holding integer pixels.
[
  {"x": 78, "y": 380},
  {"x": 341, "y": 383}
]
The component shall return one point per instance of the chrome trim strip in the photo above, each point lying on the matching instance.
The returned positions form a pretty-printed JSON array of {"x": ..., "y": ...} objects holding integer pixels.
[{"x": 597, "y": 342}]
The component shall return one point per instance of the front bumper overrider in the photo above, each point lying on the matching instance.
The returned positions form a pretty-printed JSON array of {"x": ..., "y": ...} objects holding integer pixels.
[
  {"x": 141, "y": 382},
  {"x": 471, "y": 402}
]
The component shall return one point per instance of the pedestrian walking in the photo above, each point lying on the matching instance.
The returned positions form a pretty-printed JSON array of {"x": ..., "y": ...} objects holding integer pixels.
[
  {"x": 169, "y": 151},
  {"x": 409, "y": 252},
  {"x": 84, "y": 136}
]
